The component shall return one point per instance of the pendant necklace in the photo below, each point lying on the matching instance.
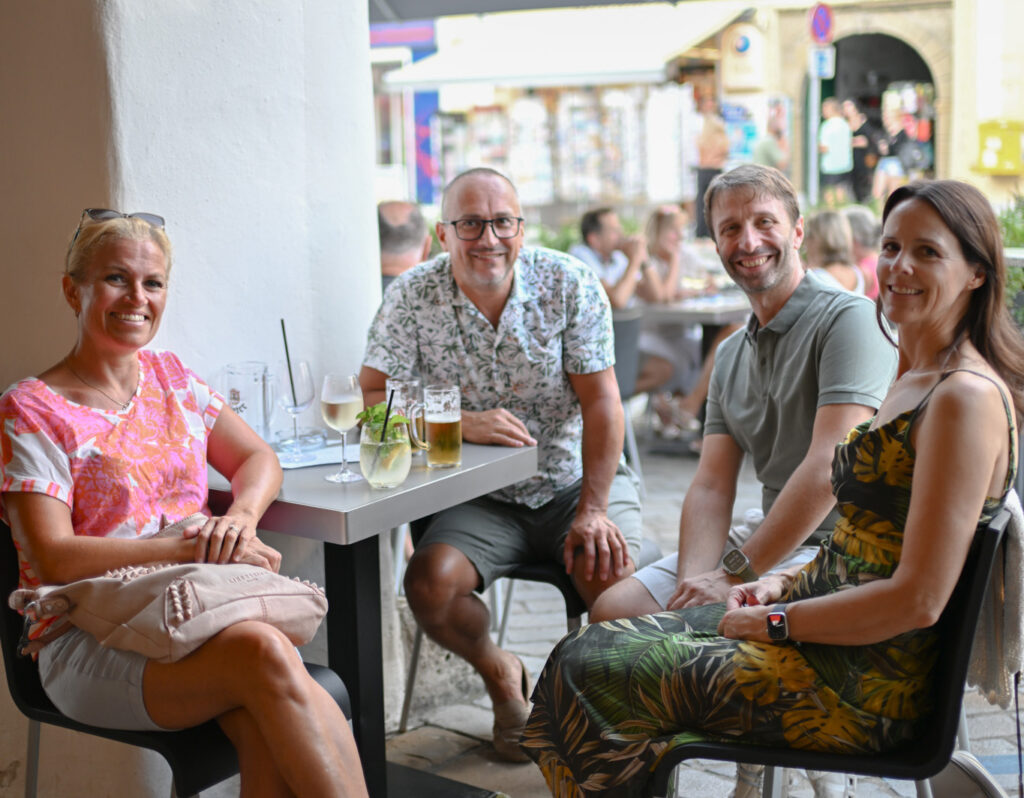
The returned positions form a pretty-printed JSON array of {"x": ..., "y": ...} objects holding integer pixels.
[{"x": 123, "y": 405}]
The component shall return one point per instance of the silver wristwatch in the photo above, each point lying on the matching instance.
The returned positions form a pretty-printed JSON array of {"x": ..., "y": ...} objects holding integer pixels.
[{"x": 736, "y": 563}]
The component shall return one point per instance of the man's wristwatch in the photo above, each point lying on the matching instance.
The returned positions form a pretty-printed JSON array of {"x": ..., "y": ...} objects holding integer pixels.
[
  {"x": 778, "y": 625},
  {"x": 735, "y": 563}
]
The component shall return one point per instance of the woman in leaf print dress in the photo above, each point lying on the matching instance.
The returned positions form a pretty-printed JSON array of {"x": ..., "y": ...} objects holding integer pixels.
[{"x": 912, "y": 486}]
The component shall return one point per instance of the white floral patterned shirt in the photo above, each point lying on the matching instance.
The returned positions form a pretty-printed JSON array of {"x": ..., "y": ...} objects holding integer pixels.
[{"x": 557, "y": 322}]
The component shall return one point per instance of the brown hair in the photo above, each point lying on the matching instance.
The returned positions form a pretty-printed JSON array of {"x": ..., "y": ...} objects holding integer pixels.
[
  {"x": 987, "y": 322},
  {"x": 760, "y": 181}
]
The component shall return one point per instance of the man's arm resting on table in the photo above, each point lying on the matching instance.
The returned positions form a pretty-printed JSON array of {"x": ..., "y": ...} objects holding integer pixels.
[{"x": 603, "y": 428}]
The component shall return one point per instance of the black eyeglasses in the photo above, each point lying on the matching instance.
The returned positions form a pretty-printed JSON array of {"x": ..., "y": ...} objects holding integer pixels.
[
  {"x": 103, "y": 214},
  {"x": 472, "y": 229}
]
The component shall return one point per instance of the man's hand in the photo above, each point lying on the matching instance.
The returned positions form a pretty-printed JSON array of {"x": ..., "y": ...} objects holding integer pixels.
[
  {"x": 706, "y": 588},
  {"x": 634, "y": 247},
  {"x": 495, "y": 427},
  {"x": 602, "y": 544}
]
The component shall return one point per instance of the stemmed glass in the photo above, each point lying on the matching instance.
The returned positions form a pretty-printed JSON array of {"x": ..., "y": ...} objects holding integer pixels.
[
  {"x": 341, "y": 399},
  {"x": 295, "y": 396}
]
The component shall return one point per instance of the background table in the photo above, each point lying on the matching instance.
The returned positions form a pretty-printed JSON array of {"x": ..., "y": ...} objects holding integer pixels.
[
  {"x": 347, "y": 518},
  {"x": 719, "y": 310}
]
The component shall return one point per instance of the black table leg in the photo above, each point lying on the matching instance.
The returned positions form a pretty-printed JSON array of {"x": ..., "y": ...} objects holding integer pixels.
[{"x": 354, "y": 647}]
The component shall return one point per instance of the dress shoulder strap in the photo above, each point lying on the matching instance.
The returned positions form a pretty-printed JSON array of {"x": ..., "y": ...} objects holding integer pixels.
[{"x": 1011, "y": 472}]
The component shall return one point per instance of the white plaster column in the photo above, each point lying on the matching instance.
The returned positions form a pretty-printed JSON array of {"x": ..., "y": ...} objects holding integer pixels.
[{"x": 248, "y": 125}]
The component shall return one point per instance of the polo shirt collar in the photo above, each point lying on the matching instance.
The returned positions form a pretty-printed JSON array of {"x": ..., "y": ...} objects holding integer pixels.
[{"x": 790, "y": 313}]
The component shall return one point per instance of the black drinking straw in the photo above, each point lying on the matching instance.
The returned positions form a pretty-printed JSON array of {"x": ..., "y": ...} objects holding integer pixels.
[
  {"x": 387, "y": 412},
  {"x": 288, "y": 360}
]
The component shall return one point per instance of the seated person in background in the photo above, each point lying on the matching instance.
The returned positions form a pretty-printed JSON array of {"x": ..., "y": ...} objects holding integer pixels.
[
  {"x": 404, "y": 239},
  {"x": 98, "y": 450},
  {"x": 617, "y": 259},
  {"x": 685, "y": 388},
  {"x": 831, "y": 666},
  {"x": 867, "y": 233},
  {"x": 828, "y": 250},
  {"x": 526, "y": 333}
]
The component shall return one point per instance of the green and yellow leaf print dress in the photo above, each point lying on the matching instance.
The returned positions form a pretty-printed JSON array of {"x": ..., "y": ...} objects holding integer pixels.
[{"x": 614, "y": 697}]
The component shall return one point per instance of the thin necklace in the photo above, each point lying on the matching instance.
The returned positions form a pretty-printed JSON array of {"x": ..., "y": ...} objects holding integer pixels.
[{"x": 123, "y": 405}]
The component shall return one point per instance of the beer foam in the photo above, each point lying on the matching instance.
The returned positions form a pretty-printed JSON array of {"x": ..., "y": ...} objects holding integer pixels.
[{"x": 444, "y": 418}]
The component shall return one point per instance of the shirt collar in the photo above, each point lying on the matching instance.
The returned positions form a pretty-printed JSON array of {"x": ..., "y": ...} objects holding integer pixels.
[{"x": 790, "y": 312}]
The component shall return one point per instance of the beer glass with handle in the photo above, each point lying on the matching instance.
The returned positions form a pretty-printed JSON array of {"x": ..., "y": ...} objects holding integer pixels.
[
  {"x": 443, "y": 420},
  {"x": 341, "y": 399}
]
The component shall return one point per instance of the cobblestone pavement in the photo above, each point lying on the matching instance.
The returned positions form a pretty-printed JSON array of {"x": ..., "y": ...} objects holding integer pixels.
[{"x": 450, "y": 723}]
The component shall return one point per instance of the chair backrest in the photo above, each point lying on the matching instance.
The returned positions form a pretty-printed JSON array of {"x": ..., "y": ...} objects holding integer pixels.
[
  {"x": 956, "y": 626},
  {"x": 22, "y": 674},
  {"x": 626, "y": 325}
]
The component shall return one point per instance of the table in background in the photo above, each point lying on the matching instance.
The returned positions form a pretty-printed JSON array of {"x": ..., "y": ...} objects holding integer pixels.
[
  {"x": 718, "y": 310},
  {"x": 347, "y": 518}
]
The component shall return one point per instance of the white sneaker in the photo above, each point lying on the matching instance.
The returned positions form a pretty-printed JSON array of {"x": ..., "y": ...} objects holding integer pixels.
[{"x": 827, "y": 784}]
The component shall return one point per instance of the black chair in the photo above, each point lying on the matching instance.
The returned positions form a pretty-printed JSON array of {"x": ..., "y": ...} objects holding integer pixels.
[
  {"x": 922, "y": 758},
  {"x": 199, "y": 757},
  {"x": 626, "y": 326}
]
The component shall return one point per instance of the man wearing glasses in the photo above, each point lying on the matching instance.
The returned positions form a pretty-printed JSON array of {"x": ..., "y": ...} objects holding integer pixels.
[{"x": 526, "y": 333}]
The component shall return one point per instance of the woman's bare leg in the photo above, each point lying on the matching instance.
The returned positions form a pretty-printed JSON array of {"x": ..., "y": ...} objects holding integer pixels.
[
  {"x": 254, "y": 667},
  {"x": 260, "y": 776}
]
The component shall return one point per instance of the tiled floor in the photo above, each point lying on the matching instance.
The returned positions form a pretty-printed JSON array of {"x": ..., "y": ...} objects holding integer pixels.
[{"x": 450, "y": 724}]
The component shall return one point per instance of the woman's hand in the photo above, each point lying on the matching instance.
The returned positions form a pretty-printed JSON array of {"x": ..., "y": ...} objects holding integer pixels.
[
  {"x": 222, "y": 539},
  {"x": 746, "y": 623},
  {"x": 747, "y": 606},
  {"x": 766, "y": 590}
]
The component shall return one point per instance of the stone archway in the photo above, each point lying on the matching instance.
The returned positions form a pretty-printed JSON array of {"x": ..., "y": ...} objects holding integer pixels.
[
  {"x": 927, "y": 29},
  {"x": 929, "y": 33}
]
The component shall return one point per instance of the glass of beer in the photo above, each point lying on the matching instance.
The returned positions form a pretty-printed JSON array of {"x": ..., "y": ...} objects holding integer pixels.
[
  {"x": 408, "y": 397},
  {"x": 442, "y": 411}
]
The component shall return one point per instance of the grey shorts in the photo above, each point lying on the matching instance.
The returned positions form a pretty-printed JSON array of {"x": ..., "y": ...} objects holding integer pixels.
[
  {"x": 497, "y": 536},
  {"x": 94, "y": 684},
  {"x": 660, "y": 577}
]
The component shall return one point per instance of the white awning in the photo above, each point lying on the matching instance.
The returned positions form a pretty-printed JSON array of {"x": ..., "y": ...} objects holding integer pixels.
[{"x": 566, "y": 47}]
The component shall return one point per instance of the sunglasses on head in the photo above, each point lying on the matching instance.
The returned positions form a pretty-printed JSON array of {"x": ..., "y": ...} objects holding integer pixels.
[{"x": 103, "y": 214}]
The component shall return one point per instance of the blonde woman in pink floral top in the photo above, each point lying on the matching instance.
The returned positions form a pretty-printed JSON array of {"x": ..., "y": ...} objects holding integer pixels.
[{"x": 97, "y": 454}]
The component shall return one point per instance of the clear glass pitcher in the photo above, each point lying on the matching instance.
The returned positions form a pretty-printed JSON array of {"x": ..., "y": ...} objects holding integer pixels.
[{"x": 249, "y": 389}]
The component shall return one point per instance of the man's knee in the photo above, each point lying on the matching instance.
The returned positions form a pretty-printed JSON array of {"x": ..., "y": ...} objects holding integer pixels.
[
  {"x": 437, "y": 574},
  {"x": 625, "y": 599}
]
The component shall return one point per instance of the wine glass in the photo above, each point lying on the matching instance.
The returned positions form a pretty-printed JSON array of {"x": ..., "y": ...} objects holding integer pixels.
[
  {"x": 295, "y": 396},
  {"x": 341, "y": 399}
]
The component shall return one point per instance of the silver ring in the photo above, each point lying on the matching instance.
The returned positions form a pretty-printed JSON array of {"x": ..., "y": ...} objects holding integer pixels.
[{"x": 232, "y": 528}]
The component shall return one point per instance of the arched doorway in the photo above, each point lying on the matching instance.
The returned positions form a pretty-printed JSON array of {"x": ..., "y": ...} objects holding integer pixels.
[{"x": 896, "y": 90}]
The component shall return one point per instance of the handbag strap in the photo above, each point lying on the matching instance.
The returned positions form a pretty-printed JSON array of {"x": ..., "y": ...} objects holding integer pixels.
[{"x": 1020, "y": 756}]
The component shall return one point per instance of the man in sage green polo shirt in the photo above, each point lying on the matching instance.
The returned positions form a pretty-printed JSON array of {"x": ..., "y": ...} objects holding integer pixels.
[{"x": 810, "y": 365}]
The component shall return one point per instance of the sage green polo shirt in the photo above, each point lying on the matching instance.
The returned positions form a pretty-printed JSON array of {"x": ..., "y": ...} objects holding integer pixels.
[{"x": 824, "y": 347}]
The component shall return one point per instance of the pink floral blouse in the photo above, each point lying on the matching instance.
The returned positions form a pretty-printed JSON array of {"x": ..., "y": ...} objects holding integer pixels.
[{"x": 119, "y": 472}]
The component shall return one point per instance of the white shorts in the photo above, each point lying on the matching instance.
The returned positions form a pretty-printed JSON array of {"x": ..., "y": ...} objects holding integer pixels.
[{"x": 660, "y": 577}]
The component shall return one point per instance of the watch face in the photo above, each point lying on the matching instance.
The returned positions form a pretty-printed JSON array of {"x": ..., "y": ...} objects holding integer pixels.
[
  {"x": 735, "y": 561},
  {"x": 778, "y": 629}
]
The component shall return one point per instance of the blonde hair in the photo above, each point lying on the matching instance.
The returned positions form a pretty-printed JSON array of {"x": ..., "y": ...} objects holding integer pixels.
[
  {"x": 828, "y": 234},
  {"x": 92, "y": 235},
  {"x": 663, "y": 218}
]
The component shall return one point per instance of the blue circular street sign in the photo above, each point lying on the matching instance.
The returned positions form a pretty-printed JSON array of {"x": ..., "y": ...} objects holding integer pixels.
[{"x": 822, "y": 28}]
